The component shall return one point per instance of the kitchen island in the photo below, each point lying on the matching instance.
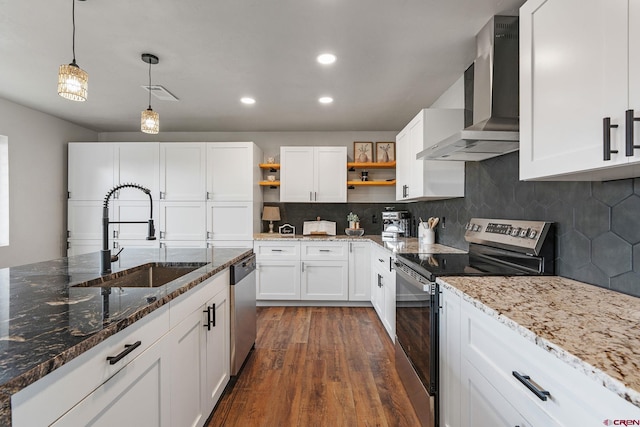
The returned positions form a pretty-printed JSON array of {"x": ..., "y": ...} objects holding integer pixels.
[{"x": 46, "y": 321}]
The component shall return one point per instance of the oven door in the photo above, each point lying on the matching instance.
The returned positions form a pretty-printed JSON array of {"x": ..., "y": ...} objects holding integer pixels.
[{"x": 417, "y": 324}]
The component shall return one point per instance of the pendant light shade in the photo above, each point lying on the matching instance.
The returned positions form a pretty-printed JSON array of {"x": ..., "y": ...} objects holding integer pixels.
[
  {"x": 149, "y": 119},
  {"x": 73, "y": 80}
]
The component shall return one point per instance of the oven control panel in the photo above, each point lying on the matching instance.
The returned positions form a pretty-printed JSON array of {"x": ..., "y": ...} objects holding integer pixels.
[{"x": 524, "y": 235}]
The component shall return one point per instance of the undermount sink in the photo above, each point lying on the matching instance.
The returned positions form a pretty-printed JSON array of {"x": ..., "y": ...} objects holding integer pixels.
[{"x": 149, "y": 275}]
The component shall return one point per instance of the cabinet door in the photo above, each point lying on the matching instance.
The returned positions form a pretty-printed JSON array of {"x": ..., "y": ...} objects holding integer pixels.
[
  {"x": 138, "y": 163},
  {"x": 183, "y": 171},
  {"x": 330, "y": 184},
  {"x": 80, "y": 247},
  {"x": 449, "y": 387},
  {"x": 230, "y": 220},
  {"x": 297, "y": 174},
  {"x": 377, "y": 293},
  {"x": 325, "y": 280},
  {"x": 91, "y": 170},
  {"x": 84, "y": 220},
  {"x": 634, "y": 70},
  {"x": 359, "y": 271},
  {"x": 138, "y": 395},
  {"x": 403, "y": 164},
  {"x": 389, "y": 320},
  {"x": 573, "y": 73},
  {"x": 134, "y": 211},
  {"x": 217, "y": 350},
  {"x": 230, "y": 171},
  {"x": 182, "y": 221},
  {"x": 415, "y": 167},
  {"x": 482, "y": 405},
  {"x": 278, "y": 280},
  {"x": 188, "y": 370}
]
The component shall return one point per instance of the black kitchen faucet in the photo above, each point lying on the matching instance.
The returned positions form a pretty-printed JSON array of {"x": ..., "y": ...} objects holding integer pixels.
[{"x": 105, "y": 254}]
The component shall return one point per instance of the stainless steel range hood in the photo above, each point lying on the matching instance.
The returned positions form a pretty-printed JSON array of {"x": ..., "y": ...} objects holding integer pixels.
[{"x": 495, "y": 99}]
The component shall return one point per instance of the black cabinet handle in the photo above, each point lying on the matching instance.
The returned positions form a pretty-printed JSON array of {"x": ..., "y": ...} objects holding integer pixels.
[
  {"x": 276, "y": 250},
  {"x": 629, "y": 137},
  {"x": 531, "y": 385},
  {"x": 208, "y": 324},
  {"x": 128, "y": 348},
  {"x": 379, "y": 281},
  {"x": 606, "y": 138},
  {"x": 213, "y": 315},
  {"x": 325, "y": 250}
]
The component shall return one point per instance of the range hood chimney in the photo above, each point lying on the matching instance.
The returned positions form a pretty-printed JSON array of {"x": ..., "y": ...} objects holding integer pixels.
[{"x": 495, "y": 129}]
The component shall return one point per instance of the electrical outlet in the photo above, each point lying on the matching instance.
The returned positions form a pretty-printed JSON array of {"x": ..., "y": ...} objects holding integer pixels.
[
  {"x": 443, "y": 223},
  {"x": 374, "y": 219}
]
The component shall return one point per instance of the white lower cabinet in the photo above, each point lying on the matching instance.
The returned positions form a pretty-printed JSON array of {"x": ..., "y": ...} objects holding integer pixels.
[
  {"x": 360, "y": 271},
  {"x": 488, "y": 393},
  {"x": 325, "y": 280},
  {"x": 200, "y": 368},
  {"x": 278, "y": 280},
  {"x": 383, "y": 288},
  {"x": 182, "y": 221},
  {"x": 136, "y": 395},
  {"x": 171, "y": 368}
]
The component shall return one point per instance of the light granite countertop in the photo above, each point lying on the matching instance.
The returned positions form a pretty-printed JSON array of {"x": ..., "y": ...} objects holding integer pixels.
[
  {"x": 46, "y": 321},
  {"x": 405, "y": 245},
  {"x": 595, "y": 330}
]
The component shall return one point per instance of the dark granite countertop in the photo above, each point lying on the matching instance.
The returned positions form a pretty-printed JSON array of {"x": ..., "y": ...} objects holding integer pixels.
[{"x": 45, "y": 321}]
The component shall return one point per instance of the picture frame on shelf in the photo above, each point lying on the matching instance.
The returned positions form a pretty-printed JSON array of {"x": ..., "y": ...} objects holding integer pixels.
[
  {"x": 385, "y": 152},
  {"x": 363, "y": 151}
]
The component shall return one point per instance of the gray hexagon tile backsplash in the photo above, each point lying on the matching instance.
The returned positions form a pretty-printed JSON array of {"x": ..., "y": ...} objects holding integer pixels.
[{"x": 597, "y": 223}]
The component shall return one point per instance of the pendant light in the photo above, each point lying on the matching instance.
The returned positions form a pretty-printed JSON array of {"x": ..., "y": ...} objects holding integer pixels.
[
  {"x": 73, "y": 80},
  {"x": 150, "y": 120}
]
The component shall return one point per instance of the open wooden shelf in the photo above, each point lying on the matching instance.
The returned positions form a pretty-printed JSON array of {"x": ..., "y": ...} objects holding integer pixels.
[
  {"x": 371, "y": 183},
  {"x": 371, "y": 165},
  {"x": 270, "y": 166},
  {"x": 269, "y": 183}
]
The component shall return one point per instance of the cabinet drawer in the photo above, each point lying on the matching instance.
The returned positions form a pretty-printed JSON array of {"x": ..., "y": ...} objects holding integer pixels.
[
  {"x": 325, "y": 251},
  {"x": 498, "y": 351},
  {"x": 47, "y": 399},
  {"x": 277, "y": 250},
  {"x": 382, "y": 258}
]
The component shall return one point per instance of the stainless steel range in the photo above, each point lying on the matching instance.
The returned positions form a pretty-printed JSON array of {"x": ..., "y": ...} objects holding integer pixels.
[{"x": 497, "y": 247}]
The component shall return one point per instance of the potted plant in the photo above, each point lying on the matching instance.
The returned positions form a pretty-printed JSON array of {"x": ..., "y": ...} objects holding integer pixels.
[{"x": 353, "y": 220}]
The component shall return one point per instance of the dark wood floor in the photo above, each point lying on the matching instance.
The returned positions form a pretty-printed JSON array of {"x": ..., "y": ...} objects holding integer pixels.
[{"x": 317, "y": 366}]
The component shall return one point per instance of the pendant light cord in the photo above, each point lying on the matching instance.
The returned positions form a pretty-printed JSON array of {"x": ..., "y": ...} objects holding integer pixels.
[
  {"x": 149, "y": 88},
  {"x": 73, "y": 21}
]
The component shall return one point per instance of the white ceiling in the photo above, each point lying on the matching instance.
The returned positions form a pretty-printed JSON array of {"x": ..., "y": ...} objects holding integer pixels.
[{"x": 394, "y": 57}]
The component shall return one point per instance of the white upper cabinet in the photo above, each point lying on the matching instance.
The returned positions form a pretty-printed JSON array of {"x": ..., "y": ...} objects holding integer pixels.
[
  {"x": 577, "y": 74},
  {"x": 91, "y": 170},
  {"x": 313, "y": 174},
  {"x": 231, "y": 171},
  {"x": 183, "y": 171},
  {"x": 431, "y": 179},
  {"x": 138, "y": 163}
]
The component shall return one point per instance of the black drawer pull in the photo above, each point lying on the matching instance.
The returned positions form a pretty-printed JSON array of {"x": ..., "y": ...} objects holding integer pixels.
[
  {"x": 276, "y": 250},
  {"x": 128, "y": 348},
  {"x": 325, "y": 250},
  {"x": 531, "y": 385}
]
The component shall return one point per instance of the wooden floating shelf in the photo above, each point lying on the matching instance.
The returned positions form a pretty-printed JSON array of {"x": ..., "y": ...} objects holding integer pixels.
[
  {"x": 270, "y": 183},
  {"x": 371, "y": 165},
  {"x": 371, "y": 183},
  {"x": 269, "y": 166}
]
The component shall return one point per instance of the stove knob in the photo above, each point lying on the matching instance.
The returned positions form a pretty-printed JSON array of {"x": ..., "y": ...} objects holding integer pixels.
[
  {"x": 533, "y": 234},
  {"x": 524, "y": 232},
  {"x": 515, "y": 231}
]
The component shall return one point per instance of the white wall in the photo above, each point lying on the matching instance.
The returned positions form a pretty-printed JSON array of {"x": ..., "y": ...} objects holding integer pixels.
[
  {"x": 452, "y": 97},
  {"x": 37, "y": 182}
]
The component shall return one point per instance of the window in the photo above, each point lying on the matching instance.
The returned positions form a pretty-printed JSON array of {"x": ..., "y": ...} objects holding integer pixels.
[{"x": 4, "y": 191}]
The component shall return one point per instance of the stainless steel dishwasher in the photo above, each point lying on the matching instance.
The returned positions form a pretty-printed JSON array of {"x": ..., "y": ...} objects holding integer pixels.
[{"x": 243, "y": 311}]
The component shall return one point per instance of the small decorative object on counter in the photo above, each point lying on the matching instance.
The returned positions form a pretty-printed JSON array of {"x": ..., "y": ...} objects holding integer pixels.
[
  {"x": 287, "y": 230},
  {"x": 271, "y": 213},
  {"x": 352, "y": 219},
  {"x": 359, "y": 232}
]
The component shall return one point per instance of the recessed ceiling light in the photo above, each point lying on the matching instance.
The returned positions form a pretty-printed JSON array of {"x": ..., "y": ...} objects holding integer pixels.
[
  {"x": 247, "y": 100},
  {"x": 326, "y": 58},
  {"x": 325, "y": 100}
]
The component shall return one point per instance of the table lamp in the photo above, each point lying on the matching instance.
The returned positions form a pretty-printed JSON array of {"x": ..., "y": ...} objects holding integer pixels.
[{"x": 271, "y": 213}]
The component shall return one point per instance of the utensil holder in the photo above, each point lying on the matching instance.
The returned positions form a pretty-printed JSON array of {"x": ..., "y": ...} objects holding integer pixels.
[{"x": 427, "y": 236}]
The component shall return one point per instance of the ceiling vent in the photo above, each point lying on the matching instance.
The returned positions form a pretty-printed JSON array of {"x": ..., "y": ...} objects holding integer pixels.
[{"x": 160, "y": 92}]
